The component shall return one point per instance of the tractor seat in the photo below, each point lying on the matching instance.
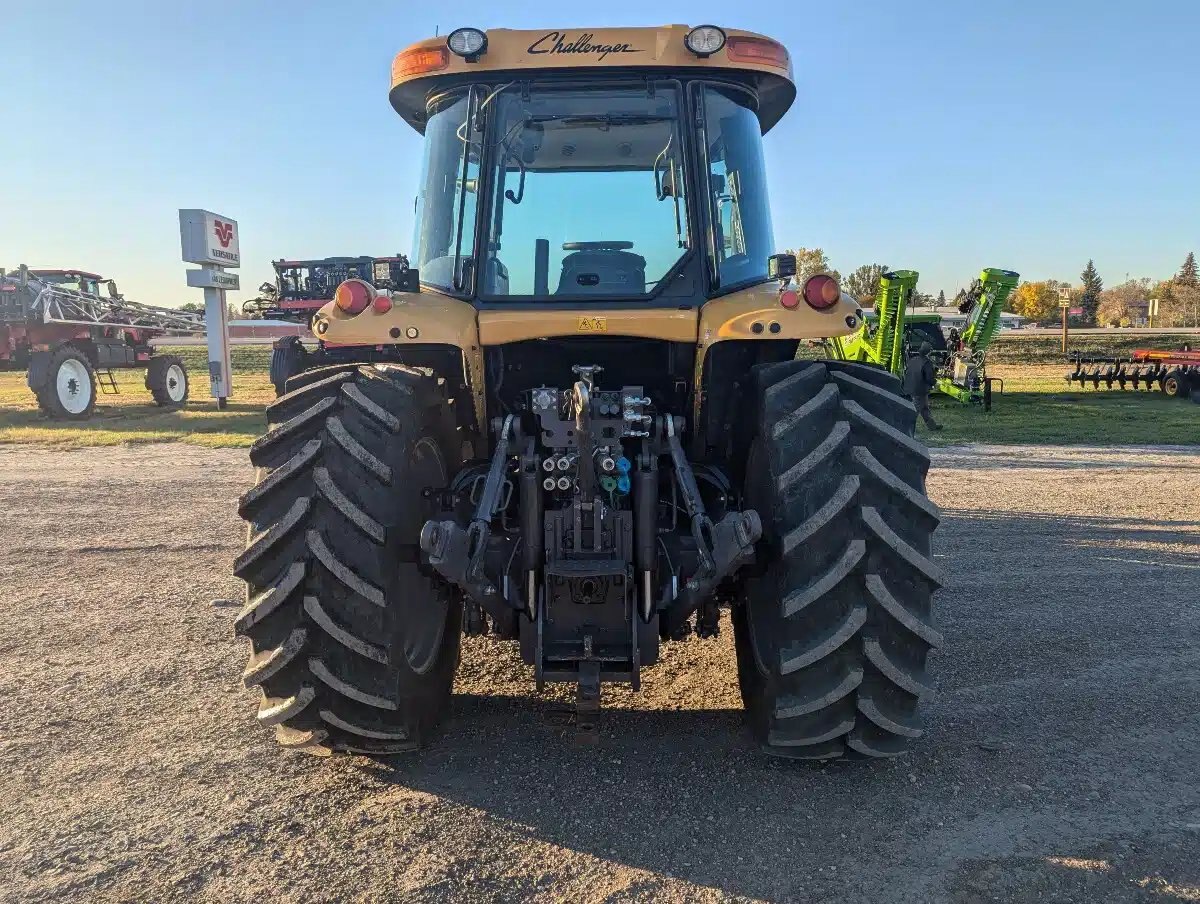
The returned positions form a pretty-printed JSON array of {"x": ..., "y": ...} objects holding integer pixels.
[{"x": 602, "y": 268}]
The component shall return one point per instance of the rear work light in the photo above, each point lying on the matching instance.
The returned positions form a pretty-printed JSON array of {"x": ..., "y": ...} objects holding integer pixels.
[
  {"x": 746, "y": 49},
  {"x": 704, "y": 40},
  {"x": 821, "y": 292},
  {"x": 353, "y": 296},
  {"x": 468, "y": 43},
  {"x": 419, "y": 60}
]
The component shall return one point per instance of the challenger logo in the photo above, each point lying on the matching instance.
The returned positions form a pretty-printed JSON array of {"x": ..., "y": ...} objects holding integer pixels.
[
  {"x": 558, "y": 42},
  {"x": 224, "y": 232}
]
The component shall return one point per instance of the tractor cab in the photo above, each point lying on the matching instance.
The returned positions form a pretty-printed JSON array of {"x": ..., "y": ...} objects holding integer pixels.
[
  {"x": 78, "y": 280},
  {"x": 573, "y": 167}
]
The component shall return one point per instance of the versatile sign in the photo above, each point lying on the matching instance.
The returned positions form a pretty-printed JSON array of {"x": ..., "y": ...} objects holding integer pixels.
[
  {"x": 209, "y": 238},
  {"x": 213, "y": 279}
]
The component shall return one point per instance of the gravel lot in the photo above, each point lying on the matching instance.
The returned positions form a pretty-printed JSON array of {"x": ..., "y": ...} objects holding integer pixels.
[{"x": 1063, "y": 758}]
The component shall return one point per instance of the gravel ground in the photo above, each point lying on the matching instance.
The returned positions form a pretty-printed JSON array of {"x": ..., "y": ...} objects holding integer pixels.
[{"x": 1062, "y": 760}]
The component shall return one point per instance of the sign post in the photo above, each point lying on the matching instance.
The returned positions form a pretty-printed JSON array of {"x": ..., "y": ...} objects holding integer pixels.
[
  {"x": 1064, "y": 303},
  {"x": 211, "y": 240}
]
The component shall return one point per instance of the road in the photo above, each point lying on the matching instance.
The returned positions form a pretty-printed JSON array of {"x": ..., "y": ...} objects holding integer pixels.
[{"x": 1062, "y": 757}]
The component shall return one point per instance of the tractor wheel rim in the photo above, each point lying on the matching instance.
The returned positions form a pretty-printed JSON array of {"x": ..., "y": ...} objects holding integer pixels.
[
  {"x": 176, "y": 383},
  {"x": 74, "y": 386}
]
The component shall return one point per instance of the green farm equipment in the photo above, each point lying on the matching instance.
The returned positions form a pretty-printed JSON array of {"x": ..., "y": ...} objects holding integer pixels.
[
  {"x": 888, "y": 336},
  {"x": 963, "y": 371},
  {"x": 880, "y": 340}
]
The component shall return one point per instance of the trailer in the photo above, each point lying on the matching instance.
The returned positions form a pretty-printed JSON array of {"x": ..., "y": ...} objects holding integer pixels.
[
  {"x": 70, "y": 329},
  {"x": 1176, "y": 374}
]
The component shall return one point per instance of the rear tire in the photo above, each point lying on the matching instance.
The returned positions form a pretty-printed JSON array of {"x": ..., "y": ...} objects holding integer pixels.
[
  {"x": 68, "y": 392},
  {"x": 289, "y": 357},
  {"x": 832, "y": 636},
  {"x": 167, "y": 380},
  {"x": 353, "y": 647}
]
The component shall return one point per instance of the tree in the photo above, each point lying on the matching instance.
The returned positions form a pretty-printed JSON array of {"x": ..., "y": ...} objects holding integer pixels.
[
  {"x": 1036, "y": 301},
  {"x": 961, "y": 296},
  {"x": 919, "y": 298},
  {"x": 941, "y": 302},
  {"x": 193, "y": 307},
  {"x": 1122, "y": 305},
  {"x": 811, "y": 261},
  {"x": 1178, "y": 304},
  {"x": 1093, "y": 285},
  {"x": 1188, "y": 276},
  {"x": 863, "y": 283}
]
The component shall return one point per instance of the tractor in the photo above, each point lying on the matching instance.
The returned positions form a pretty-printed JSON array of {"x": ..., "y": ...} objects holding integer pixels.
[
  {"x": 70, "y": 329},
  {"x": 578, "y": 423},
  {"x": 303, "y": 287}
]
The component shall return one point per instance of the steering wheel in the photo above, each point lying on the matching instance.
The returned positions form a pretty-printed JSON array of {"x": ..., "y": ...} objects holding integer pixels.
[{"x": 597, "y": 246}]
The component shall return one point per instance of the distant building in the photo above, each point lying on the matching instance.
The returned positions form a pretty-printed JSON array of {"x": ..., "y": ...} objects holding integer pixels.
[
  {"x": 1139, "y": 312},
  {"x": 952, "y": 318}
]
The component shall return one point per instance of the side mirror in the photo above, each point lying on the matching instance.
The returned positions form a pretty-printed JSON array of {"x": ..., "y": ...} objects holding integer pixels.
[
  {"x": 112, "y": 289},
  {"x": 781, "y": 266}
]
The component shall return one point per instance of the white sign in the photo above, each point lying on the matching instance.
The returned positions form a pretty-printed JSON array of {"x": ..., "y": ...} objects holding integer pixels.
[
  {"x": 209, "y": 238},
  {"x": 213, "y": 279}
]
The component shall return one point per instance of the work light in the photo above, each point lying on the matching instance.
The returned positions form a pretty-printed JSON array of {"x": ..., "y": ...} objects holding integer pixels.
[
  {"x": 468, "y": 43},
  {"x": 704, "y": 40}
]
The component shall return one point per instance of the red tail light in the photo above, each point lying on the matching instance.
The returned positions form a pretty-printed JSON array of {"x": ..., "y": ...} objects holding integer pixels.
[
  {"x": 821, "y": 292},
  {"x": 353, "y": 296},
  {"x": 747, "y": 49},
  {"x": 789, "y": 299},
  {"x": 382, "y": 304}
]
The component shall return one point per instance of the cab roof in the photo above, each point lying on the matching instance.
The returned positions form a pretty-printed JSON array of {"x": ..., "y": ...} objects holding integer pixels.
[
  {"x": 74, "y": 273},
  {"x": 748, "y": 58}
]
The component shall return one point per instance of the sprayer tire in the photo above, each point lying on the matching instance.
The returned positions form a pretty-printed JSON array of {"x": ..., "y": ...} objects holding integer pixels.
[
  {"x": 832, "y": 636},
  {"x": 353, "y": 647},
  {"x": 167, "y": 380},
  {"x": 68, "y": 389}
]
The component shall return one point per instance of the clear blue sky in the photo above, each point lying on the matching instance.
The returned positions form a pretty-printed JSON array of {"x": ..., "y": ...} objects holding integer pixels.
[{"x": 938, "y": 136}]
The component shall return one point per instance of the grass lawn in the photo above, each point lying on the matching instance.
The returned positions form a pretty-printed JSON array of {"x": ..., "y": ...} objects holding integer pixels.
[
  {"x": 132, "y": 417},
  {"x": 1036, "y": 407}
]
